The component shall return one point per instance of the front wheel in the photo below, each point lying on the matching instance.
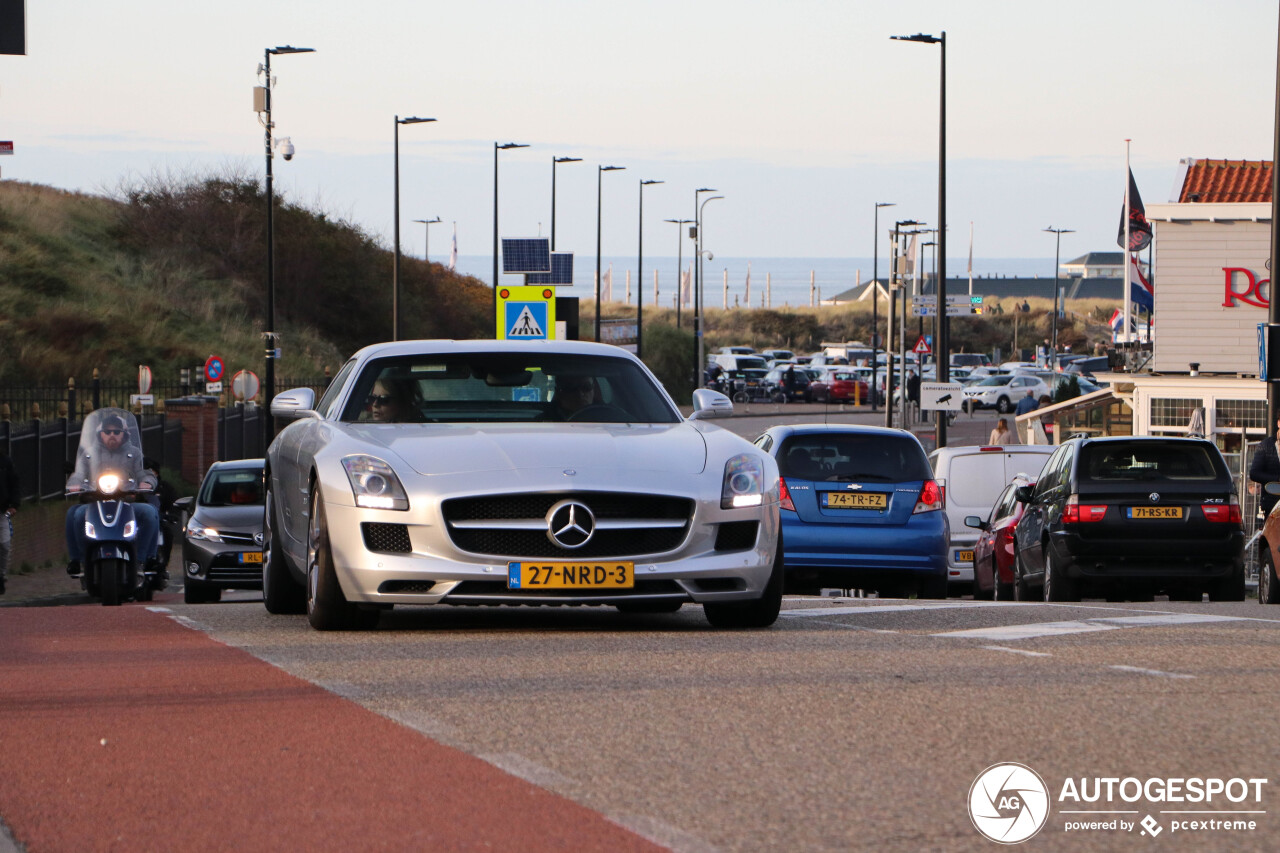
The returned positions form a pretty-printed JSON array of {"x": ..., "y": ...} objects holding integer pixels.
[
  {"x": 109, "y": 572},
  {"x": 739, "y": 396},
  {"x": 1268, "y": 588},
  {"x": 1003, "y": 406},
  {"x": 760, "y": 613},
  {"x": 327, "y": 606},
  {"x": 279, "y": 593}
]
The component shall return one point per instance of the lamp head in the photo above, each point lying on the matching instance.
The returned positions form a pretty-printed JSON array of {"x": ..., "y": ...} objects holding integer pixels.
[
  {"x": 920, "y": 37},
  {"x": 647, "y": 183},
  {"x": 504, "y": 146},
  {"x": 612, "y": 168},
  {"x": 288, "y": 48},
  {"x": 413, "y": 120},
  {"x": 567, "y": 160}
]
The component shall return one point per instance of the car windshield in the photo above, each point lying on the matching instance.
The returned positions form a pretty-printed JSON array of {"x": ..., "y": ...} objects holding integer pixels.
[
  {"x": 996, "y": 380},
  {"x": 242, "y": 487},
  {"x": 502, "y": 387},
  {"x": 1147, "y": 461},
  {"x": 852, "y": 457}
]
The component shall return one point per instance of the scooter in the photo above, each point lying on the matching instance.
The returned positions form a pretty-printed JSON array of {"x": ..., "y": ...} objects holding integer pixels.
[{"x": 111, "y": 568}]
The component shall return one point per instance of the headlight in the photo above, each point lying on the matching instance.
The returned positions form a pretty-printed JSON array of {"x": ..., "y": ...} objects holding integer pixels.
[
  {"x": 374, "y": 484},
  {"x": 108, "y": 483},
  {"x": 743, "y": 482},
  {"x": 89, "y": 532},
  {"x": 196, "y": 530}
]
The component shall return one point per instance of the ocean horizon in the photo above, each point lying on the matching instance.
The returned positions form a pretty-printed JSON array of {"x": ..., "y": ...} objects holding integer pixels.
[{"x": 783, "y": 282}]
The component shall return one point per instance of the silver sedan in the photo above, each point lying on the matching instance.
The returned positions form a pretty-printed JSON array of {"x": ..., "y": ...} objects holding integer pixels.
[{"x": 519, "y": 473}]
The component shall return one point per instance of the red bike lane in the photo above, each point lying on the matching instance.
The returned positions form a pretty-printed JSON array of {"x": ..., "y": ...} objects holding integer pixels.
[{"x": 122, "y": 729}]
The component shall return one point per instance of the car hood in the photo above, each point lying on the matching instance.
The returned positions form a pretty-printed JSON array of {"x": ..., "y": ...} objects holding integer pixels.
[
  {"x": 467, "y": 448},
  {"x": 246, "y": 517}
]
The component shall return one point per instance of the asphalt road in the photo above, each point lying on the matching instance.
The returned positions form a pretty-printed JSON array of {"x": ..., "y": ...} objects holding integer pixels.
[{"x": 851, "y": 725}]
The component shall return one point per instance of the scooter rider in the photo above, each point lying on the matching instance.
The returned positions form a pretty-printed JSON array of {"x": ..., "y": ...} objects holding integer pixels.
[{"x": 109, "y": 441}]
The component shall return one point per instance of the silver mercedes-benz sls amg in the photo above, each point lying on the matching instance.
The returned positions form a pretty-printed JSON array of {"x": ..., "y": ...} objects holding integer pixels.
[{"x": 520, "y": 473}]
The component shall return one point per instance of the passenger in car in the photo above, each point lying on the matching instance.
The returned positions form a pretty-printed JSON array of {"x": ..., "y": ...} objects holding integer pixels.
[{"x": 572, "y": 394}]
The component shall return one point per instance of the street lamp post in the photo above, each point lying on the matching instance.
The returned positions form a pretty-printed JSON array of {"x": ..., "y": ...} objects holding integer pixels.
[
  {"x": 600, "y": 170},
  {"x": 679, "y": 223},
  {"x": 875, "y": 296},
  {"x": 269, "y": 333},
  {"x": 697, "y": 288},
  {"x": 506, "y": 146},
  {"x": 893, "y": 311},
  {"x": 395, "y": 267},
  {"x": 1057, "y": 255},
  {"x": 943, "y": 343},
  {"x": 640, "y": 275},
  {"x": 700, "y": 374},
  {"x": 554, "y": 161},
  {"x": 426, "y": 244}
]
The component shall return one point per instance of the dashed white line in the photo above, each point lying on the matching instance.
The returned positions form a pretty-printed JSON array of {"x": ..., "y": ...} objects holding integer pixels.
[
  {"x": 1156, "y": 672},
  {"x": 1026, "y": 652}
]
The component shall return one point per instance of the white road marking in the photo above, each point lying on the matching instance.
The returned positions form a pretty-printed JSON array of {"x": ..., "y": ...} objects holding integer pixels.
[
  {"x": 898, "y": 608},
  {"x": 1141, "y": 671},
  {"x": 1026, "y": 652},
  {"x": 1026, "y": 632},
  {"x": 1164, "y": 619}
]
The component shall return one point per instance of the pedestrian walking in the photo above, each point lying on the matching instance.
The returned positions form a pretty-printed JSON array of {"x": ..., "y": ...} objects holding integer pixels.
[
  {"x": 913, "y": 390},
  {"x": 8, "y": 506},
  {"x": 1002, "y": 434},
  {"x": 1027, "y": 404},
  {"x": 1265, "y": 468}
]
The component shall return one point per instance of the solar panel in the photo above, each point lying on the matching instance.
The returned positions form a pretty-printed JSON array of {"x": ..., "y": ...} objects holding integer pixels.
[
  {"x": 526, "y": 255},
  {"x": 561, "y": 271}
]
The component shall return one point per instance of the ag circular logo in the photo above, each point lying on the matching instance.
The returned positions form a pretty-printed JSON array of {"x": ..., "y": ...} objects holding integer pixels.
[{"x": 1008, "y": 803}]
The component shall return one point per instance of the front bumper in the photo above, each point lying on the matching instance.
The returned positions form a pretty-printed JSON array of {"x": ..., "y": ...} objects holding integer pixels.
[{"x": 222, "y": 564}]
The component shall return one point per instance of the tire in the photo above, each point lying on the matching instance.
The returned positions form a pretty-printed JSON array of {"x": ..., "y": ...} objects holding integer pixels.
[
  {"x": 779, "y": 397},
  {"x": 1230, "y": 588},
  {"x": 327, "y": 607},
  {"x": 1003, "y": 406},
  {"x": 1021, "y": 589},
  {"x": 1003, "y": 592},
  {"x": 197, "y": 592},
  {"x": 1057, "y": 586},
  {"x": 979, "y": 594},
  {"x": 933, "y": 587},
  {"x": 109, "y": 582},
  {"x": 279, "y": 593},
  {"x": 761, "y": 613},
  {"x": 662, "y": 606},
  {"x": 739, "y": 396},
  {"x": 1268, "y": 585}
]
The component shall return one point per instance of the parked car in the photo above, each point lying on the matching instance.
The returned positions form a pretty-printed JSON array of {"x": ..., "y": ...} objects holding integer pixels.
[
  {"x": 777, "y": 355},
  {"x": 971, "y": 478},
  {"x": 1269, "y": 554},
  {"x": 838, "y": 385},
  {"x": 994, "y": 548},
  {"x": 519, "y": 473},
  {"x": 1002, "y": 392},
  {"x": 736, "y": 351},
  {"x": 1089, "y": 366},
  {"x": 969, "y": 359},
  {"x": 733, "y": 363},
  {"x": 222, "y": 542},
  {"x": 860, "y": 510},
  {"x": 1131, "y": 516},
  {"x": 775, "y": 382}
]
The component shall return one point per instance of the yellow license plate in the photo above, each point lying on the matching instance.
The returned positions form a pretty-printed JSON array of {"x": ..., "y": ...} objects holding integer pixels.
[
  {"x": 964, "y": 556},
  {"x": 585, "y": 575},
  {"x": 1155, "y": 512},
  {"x": 856, "y": 500},
  {"x": 251, "y": 557}
]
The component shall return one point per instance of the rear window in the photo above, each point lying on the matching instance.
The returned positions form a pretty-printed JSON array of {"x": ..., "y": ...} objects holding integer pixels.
[
  {"x": 853, "y": 458},
  {"x": 976, "y": 479},
  {"x": 1146, "y": 461}
]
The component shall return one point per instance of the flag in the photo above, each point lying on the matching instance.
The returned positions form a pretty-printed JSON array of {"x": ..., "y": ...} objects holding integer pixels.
[
  {"x": 453, "y": 253},
  {"x": 1140, "y": 291},
  {"x": 1117, "y": 320},
  {"x": 1139, "y": 227}
]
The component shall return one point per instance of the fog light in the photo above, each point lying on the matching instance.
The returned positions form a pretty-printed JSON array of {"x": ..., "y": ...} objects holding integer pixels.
[{"x": 193, "y": 569}]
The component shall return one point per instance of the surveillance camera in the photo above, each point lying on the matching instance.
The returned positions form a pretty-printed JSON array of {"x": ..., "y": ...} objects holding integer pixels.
[
  {"x": 710, "y": 256},
  {"x": 286, "y": 148}
]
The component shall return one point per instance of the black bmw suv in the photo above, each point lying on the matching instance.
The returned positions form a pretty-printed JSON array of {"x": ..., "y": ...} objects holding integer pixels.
[{"x": 1131, "y": 516}]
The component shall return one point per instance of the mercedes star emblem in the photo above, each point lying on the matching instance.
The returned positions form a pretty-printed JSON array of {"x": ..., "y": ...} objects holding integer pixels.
[{"x": 570, "y": 524}]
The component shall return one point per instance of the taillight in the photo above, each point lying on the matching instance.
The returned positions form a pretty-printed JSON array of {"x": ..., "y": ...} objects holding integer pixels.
[
  {"x": 784, "y": 495},
  {"x": 942, "y": 491},
  {"x": 1074, "y": 512},
  {"x": 1228, "y": 513},
  {"x": 930, "y": 497}
]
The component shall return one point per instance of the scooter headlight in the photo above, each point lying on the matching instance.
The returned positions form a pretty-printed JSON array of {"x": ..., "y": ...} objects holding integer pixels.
[{"x": 108, "y": 483}]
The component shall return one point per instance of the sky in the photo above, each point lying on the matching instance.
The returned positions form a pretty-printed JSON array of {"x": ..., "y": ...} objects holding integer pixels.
[{"x": 802, "y": 114}]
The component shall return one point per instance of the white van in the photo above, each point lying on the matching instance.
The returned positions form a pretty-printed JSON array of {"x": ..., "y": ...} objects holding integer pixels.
[
  {"x": 972, "y": 477},
  {"x": 732, "y": 363}
]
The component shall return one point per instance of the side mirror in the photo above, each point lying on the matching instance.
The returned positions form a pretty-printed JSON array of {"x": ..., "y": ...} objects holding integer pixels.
[
  {"x": 1022, "y": 494},
  {"x": 710, "y": 404},
  {"x": 294, "y": 404},
  {"x": 185, "y": 504},
  {"x": 975, "y": 521}
]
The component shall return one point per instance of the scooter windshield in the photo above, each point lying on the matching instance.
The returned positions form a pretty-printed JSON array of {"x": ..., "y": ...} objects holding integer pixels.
[{"x": 110, "y": 446}]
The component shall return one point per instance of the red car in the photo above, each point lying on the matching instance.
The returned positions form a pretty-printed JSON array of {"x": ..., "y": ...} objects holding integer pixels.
[
  {"x": 838, "y": 386},
  {"x": 994, "y": 551}
]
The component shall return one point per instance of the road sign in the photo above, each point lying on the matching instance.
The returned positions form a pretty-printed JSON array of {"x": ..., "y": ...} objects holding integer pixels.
[
  {"x": 960, "y": 310},
  {"x": 213, "y": 369},
  {"x": 6, "y": 147},
  {"x": 923, "y": 311},
  {"x": 947, "y": 396},
  {"x": 526, "y": 313},
  {"x": 952, "y": 299},
  {"x": 244, "y": 385},
  {"x": 144, "y": 379},
  {"x": 921, "y": 347}
]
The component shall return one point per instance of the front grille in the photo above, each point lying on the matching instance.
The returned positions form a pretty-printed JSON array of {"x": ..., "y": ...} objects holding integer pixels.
[
  {"x": 406, "y": 587},
  {"x": 236, "y": 538},
  {"x": 387, "y": 538},
  {"x": 519, "y": 528},
  {"x": 234, "y": 574},
  {"x": 737, "y": 535}
]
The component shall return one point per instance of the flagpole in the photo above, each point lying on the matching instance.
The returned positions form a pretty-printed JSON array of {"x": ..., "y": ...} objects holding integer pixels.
[
  {"x": 1127, "y": 209},
  {"x": 971, "y": 257}
]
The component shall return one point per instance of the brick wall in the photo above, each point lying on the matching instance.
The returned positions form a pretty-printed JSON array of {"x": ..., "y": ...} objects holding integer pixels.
[
  {"x": 199, "y": 417},
  {"x": 38, "y": 533}
]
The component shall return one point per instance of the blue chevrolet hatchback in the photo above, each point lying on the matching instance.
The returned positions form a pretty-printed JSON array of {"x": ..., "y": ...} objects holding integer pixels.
[{"x": 860, "y": 510}]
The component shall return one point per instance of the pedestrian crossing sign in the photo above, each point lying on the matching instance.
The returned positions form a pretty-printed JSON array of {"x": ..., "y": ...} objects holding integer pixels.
[{"x": 526, "y": 313}]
